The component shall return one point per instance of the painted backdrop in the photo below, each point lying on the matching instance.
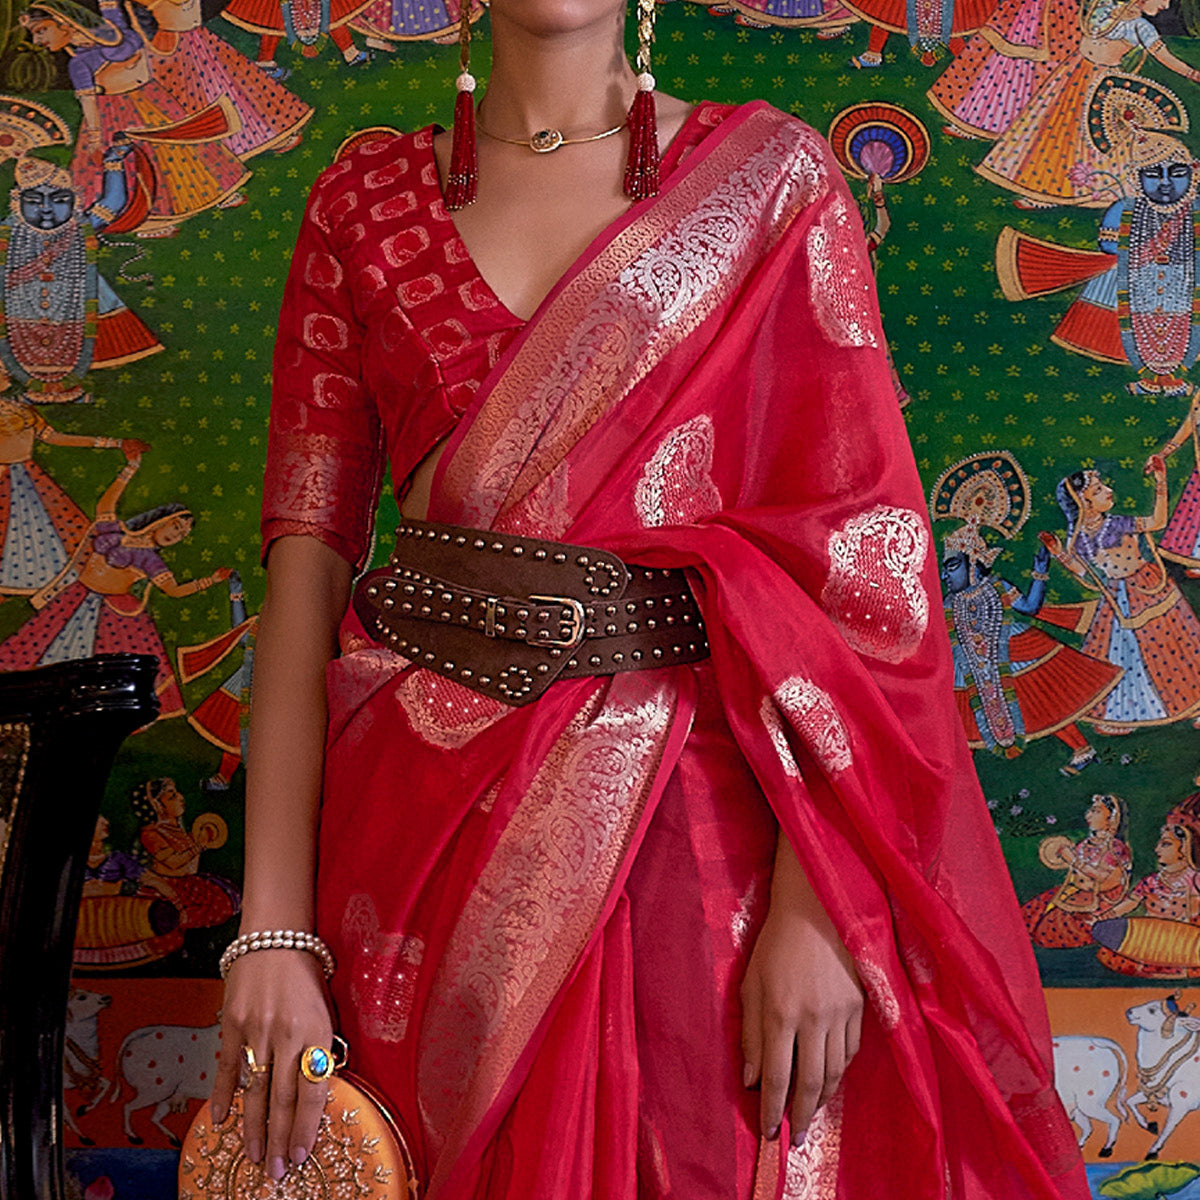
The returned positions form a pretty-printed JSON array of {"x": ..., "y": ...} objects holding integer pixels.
[{"x": 1026, "y": 175}]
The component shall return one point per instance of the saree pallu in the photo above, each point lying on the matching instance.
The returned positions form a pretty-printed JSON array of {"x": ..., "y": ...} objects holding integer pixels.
[{"x": 542, "y": 916}]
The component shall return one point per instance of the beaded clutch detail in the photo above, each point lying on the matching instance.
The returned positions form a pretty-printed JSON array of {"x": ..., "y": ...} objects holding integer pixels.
[{"x": 359, "y": 1152}]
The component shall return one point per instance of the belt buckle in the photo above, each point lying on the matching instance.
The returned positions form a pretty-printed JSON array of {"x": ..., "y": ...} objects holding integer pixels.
[{"x": 576, "y": 622}]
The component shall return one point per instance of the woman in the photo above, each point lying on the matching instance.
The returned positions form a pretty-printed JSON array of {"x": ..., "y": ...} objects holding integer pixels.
[
  {"x": 198, "y": 69},
  {"x": 1181, "y": 537},
  {"x": 91, "y": 606},
  {"x": 515, "y": 943},
  {"x": 984, "y": 89},
  {"x": 1096, "y": 883},
  {"x": 41, "y": 527},
  {"x": 173, "y": 854},
  {"x": 1143, "y": 623},
  {"x": 116, "y": 92},
  {"x": 1048, "y": 155},
  {"x": 1160, "y": 943}
]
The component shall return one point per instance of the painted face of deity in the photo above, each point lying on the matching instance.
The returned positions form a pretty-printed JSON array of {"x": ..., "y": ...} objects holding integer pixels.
[
  {"x": 47, "y": 206},
  {"x": 1097, "y": 496},
  {"x": 1169, "y": 850},
  {"x": 51, "y": 34},
  {"x": 173, "y": 529},
  {"x": 956, "y": 572},
  {"x": 1166, "y": 183},
  {"x": 1099, "y": 817},
  {"x": 171, "y": 800},
  {"x": 1151, "y": 7}
]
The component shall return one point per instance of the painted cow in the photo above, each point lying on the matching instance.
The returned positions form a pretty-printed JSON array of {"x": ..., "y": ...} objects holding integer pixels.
[
  {"x": 1089, "y": 1076},
  {"x": 81, "y": 1055},
  {"x": 167, "y": 1066},
  {"x": 1168, "y": 1059}
]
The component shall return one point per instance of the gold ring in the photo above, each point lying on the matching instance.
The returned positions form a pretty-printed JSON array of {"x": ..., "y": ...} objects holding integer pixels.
[
  {"x": 316, "y": 1064},
  {"x": 252, "y": 1063}
]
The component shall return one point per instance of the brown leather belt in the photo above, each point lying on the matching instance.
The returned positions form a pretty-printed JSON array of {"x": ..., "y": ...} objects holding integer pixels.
[{"x": 507, "y": 616}]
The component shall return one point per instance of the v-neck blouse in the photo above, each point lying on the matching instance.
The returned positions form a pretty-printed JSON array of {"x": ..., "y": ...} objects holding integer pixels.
[{"x": 386, "y": 333}]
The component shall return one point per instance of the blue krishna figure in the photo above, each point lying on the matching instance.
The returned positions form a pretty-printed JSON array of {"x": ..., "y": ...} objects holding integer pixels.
[
  {"x": 1142, "y": 288},
  {"x": 1014, "y": 681},
  {"x": 59, "y": 318}
]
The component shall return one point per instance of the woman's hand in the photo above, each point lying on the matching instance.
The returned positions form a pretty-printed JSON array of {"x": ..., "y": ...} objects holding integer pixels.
[
  {"x": 801, "y": 1003},
  {"x": 275, "y": 1004},
  {"x": 1051, "y": 542}
]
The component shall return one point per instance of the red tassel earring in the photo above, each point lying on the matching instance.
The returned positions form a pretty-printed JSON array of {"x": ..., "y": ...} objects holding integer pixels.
[
  {"x": 641, "y": 169},
  {"x": 463, "y": 178}
]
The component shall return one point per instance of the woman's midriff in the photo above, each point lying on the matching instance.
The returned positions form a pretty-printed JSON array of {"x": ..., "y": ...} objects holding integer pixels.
[
  {"x": 414, "y": 504},
  {"x": 1122, "y": 560},
  {"x": 1104, "y": 52}
]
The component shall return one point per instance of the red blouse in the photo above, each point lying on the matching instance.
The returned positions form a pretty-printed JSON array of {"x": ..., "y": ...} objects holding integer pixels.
[{"x": 387, "y": 331}]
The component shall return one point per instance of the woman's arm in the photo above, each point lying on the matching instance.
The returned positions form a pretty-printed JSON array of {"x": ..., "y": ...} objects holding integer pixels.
[
  {"x": 1065, "y": 558},
  {"x": 159, "y": 849},
  {"x": 801, "y": 1002},
  {"x": 1158, "y": 518},
  {"x": 166, "y": 583},
  {"x": 1161, "y": 54},
  {"x": 106, "y": 506},
  {"x": 275, "y": 999}
]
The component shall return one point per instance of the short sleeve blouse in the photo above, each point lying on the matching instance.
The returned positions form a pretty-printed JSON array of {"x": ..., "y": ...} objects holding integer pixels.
[{"x": 386, "y": 333}]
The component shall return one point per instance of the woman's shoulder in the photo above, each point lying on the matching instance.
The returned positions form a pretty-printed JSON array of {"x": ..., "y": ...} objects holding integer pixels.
[
  {"x": 377, "y": 169},
  {"x": 790, "y": 133}
]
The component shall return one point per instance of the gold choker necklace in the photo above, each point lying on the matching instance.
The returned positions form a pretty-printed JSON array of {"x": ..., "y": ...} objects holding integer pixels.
[{"x": 545, "y": 141}]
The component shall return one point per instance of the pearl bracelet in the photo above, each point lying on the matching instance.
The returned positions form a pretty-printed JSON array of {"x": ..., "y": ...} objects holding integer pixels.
[{"x": 278, "y": 939}]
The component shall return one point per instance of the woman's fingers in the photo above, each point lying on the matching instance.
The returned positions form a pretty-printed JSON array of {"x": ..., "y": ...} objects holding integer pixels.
[
  {"x": 309, "y": 1106},
  {"x": 254, "y": 1103},
  {"x": 779, "y": 1044},
  {"x": 811, "y": 1046},
  {"x": 751, "y": 1031},
  {"x": 835, "y": 1063},
  {"x": 285, "y": 1083},
  {"x": 853, "y": 1034},
  {"x": 227, "y": 1071}
]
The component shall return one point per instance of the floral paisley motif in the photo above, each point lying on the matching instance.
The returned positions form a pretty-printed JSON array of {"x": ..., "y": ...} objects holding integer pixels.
[
  {"x": 676, "y": 486},
  {"x": 702, "y": 240},
  {"x": 840, "y": 278},
  {"x": 444, "y": 713},
  {"x": 534, "y": 905},
  {"x": 809, "y": 710},
  {"x": 874, "y": 593},
  {"x": 777, "y": 729},
  {"x": 383, "y": 970},
  {"x": 812, "y": 1167},
  {"x": 879, "y": 992}
]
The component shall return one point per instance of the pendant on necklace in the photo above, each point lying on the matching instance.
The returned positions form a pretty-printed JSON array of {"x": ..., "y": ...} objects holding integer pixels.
[{"x": 545, "y": 140}]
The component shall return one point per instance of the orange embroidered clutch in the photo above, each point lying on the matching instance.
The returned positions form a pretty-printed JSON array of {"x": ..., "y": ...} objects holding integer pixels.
[{"x": 360, "y": 1152}]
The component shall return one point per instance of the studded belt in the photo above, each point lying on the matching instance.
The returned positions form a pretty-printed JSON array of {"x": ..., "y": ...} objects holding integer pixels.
[{"x": 507, "y": 616}]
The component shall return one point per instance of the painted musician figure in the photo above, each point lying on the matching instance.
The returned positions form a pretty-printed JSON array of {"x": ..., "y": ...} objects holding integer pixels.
[{"x": 637, "y": 788}]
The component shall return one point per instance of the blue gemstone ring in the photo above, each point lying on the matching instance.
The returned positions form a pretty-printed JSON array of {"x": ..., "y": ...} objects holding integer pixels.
[{"x": 316, "y": 1064}]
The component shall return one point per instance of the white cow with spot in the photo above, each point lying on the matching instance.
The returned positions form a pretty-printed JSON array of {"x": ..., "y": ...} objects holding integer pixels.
[
  {"x": 167, "y": 1066},
  {"x": 81, "y": 1055},
  {"x": 1168, "y": 1058},
  {"x": 1089, "y": 1074}
]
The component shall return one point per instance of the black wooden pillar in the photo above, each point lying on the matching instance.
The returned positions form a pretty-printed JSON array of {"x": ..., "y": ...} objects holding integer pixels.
[{"x": 60, "y": 727}]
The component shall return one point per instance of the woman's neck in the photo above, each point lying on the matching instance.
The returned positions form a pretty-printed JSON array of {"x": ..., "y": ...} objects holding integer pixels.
[{"x": 577, "y": 81}]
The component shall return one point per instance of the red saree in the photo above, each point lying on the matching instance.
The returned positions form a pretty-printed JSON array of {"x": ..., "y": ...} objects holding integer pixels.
[{"x": 542, "y": 916}]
